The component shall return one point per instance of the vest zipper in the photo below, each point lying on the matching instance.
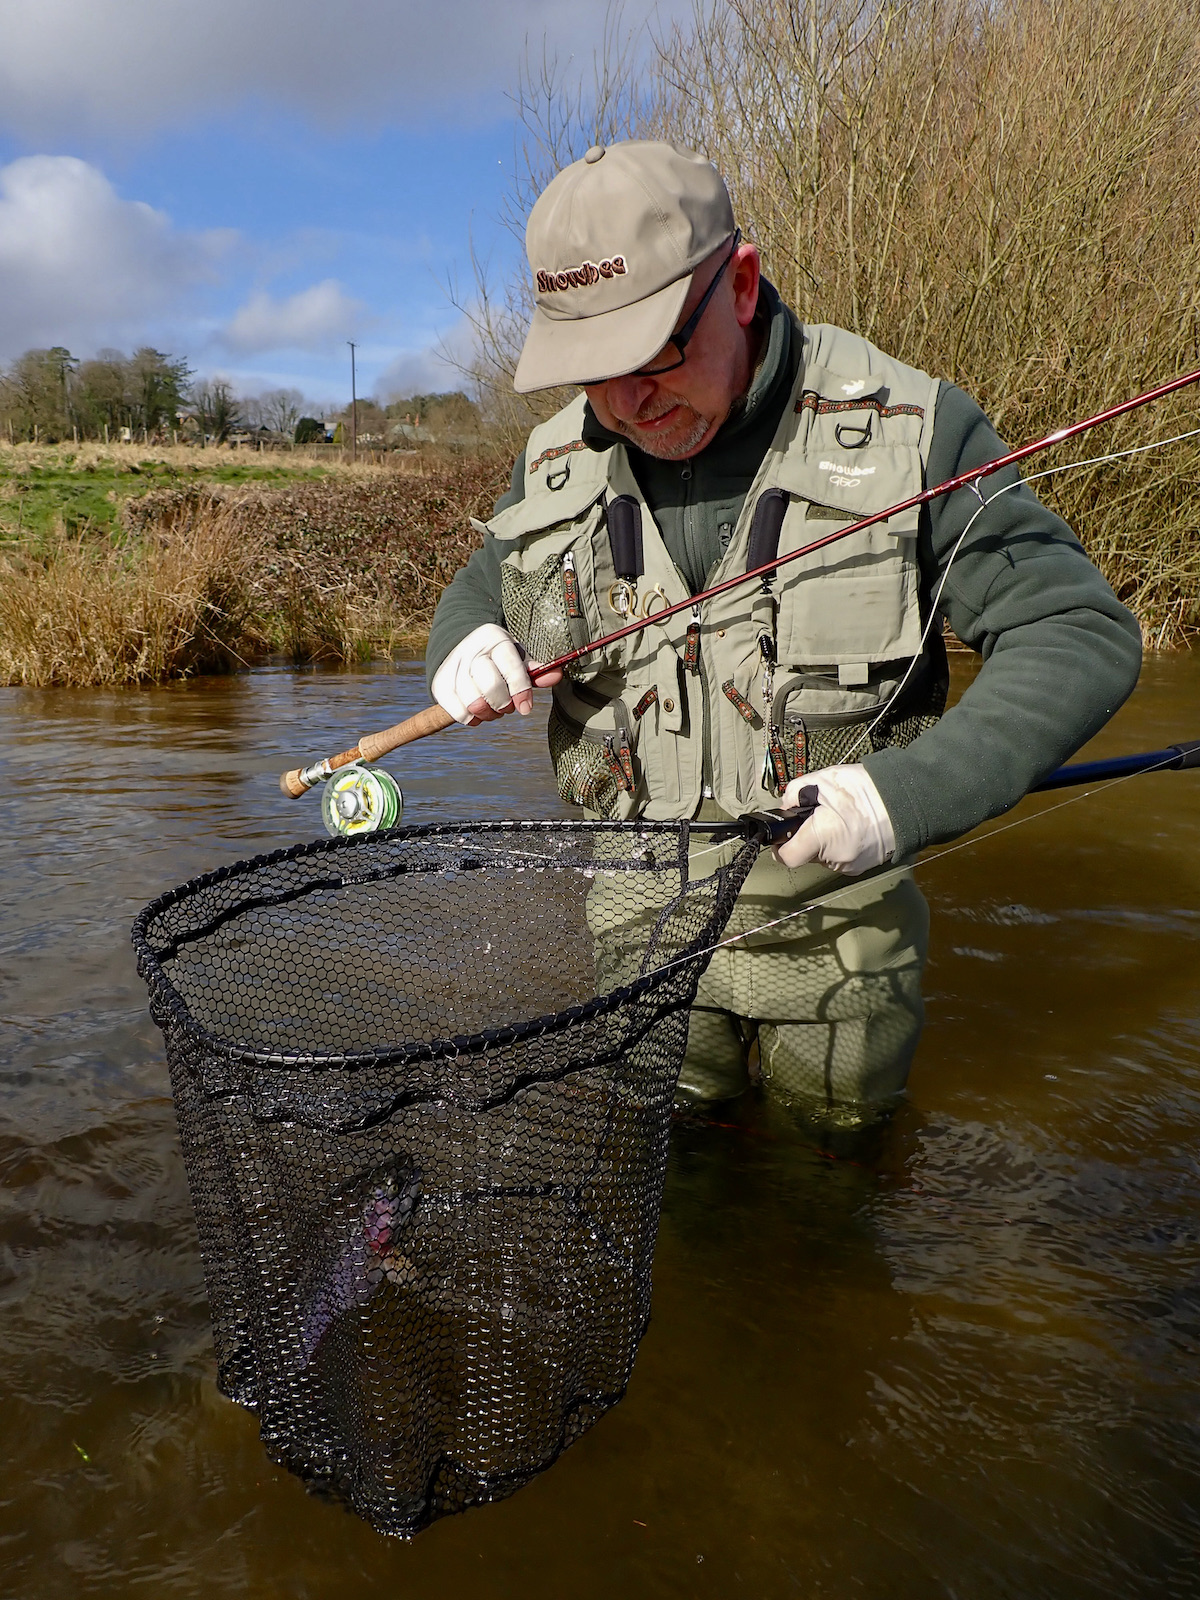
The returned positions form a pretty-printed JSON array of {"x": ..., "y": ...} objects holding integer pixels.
[
  {"x": 706, "y": 766},
  {"x": 693, "y": 659},
  {"x": 691, "y": 650},
  {"x": 571, "y": 585}
]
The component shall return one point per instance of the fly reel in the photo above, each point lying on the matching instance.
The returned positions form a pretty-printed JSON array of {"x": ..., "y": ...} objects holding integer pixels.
[{"x": 359, "y": 799}]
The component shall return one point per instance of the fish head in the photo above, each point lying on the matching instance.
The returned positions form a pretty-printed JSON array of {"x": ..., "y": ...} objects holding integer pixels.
[{"x": 393, "y": 1190}]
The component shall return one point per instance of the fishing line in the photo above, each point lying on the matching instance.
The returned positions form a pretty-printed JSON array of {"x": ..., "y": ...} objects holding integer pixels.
[
  {"x": 1020, "y": 482},
  {"x": 895, "y": 872}
]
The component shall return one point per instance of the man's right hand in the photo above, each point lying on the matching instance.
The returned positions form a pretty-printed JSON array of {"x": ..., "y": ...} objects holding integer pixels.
[{"x": 485, "y": 677}]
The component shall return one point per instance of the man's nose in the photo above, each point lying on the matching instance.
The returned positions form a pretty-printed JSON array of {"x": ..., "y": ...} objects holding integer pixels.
[{"x": 627, "y": 395}]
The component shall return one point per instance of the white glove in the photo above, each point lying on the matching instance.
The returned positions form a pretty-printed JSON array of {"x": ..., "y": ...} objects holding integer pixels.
[
  {"x": 850, "y": 831},
  {"x": 488, "y": 665}
]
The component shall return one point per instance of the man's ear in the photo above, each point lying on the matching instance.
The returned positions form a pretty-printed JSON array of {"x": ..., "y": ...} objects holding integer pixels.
[{"x": 745, "y": 272}]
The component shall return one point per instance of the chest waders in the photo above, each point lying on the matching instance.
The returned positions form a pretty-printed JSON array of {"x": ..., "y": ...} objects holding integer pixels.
[{"x": 711, "y": 714}]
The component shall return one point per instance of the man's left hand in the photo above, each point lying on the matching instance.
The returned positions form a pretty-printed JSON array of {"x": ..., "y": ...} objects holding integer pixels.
[{"x": 850, "y": 831}]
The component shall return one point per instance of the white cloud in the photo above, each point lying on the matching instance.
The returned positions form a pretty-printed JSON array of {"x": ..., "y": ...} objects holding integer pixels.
[
  {"x": 435, "y": 369},
  {"x": 311, "y": 319},
  {"x": 129, "y": 66},
  {"x": 81, "y": 266}
]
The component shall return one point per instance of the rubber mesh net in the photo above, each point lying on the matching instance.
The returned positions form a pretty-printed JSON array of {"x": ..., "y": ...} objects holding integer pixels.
[{"x": 424, "y": 1082}]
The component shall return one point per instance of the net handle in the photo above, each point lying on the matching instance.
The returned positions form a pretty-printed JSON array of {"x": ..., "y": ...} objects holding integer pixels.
[{"x": 369, "y": 748}]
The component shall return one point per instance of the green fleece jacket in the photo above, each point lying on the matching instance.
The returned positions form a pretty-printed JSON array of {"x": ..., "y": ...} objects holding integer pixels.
[{"x": 1060, "y": 652}]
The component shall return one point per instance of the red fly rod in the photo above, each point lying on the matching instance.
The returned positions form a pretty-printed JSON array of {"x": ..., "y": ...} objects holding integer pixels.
[{"x": 433, "y": 719}]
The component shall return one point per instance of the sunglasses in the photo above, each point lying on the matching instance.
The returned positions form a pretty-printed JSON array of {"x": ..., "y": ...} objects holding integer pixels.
[{"x": 674, "y": 353}]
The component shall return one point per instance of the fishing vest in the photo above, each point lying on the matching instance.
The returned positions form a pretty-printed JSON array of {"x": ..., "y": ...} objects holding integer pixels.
[{"x": 732, "y": 699}]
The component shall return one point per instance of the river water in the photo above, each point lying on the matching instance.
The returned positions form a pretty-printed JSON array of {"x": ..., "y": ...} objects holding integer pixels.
[{"x": 962, "y": 1362}]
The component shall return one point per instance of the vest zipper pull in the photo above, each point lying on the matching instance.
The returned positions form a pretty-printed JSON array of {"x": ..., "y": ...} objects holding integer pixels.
[
  {"x": 691, "y": 648},
  {"x": 774, "y": 775},
  {"x": 620, "y": 760},
  {"x": 571, "y": 585},
  {"x": 766, "y": 649}
]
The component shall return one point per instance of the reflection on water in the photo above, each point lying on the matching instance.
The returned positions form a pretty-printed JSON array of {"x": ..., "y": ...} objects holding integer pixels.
[{"x": 960, "y": 1362}]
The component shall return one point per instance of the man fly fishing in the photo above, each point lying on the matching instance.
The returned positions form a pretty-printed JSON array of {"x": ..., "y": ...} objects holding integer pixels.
[{"x": 713, "y": 431}]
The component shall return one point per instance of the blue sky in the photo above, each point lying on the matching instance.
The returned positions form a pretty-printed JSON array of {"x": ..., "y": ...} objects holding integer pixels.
[{"x": 251, "y": 183}]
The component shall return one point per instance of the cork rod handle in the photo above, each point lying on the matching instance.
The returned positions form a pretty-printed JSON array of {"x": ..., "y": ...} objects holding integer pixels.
[{"x": 369, "y": 748}]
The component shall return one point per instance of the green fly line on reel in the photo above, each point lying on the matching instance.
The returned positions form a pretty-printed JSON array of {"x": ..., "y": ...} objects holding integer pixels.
[{"x": 359, "y": 799}]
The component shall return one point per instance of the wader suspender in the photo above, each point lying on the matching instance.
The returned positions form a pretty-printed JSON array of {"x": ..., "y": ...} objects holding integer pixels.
[
  {"x": 763, "y": 547},
  {"x": 624, "y": 517},
  {"x": 625, "y": 543}
]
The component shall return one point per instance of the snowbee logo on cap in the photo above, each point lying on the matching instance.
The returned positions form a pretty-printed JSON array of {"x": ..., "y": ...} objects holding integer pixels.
[{"x": 582, "y": 276}]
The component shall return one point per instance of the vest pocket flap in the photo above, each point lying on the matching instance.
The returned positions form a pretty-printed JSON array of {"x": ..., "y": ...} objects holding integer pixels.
[
  {"x": 855, "y": 412},
  {"x": 836, "y": 389},
  {"x": 858, "y": 485},
  {"x": 863, "y": 614},
  {"x": 539, "y": 513}
]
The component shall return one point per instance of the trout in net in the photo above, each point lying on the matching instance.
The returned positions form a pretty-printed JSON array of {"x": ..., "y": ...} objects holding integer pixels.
[
  {"x": 366, "y": 1253},
  {"x": 423, "y": 1082}
]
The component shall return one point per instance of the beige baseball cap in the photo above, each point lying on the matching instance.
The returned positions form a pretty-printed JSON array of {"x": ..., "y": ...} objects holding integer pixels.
[{"x": 612, "y": 242}]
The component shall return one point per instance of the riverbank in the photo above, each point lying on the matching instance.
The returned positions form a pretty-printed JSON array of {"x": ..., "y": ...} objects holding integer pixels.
[
  {"x": 124, "y": 565},
  {"x": 127, "y": 564}
]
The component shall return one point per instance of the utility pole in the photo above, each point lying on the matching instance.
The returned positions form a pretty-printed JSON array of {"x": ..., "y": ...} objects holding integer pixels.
[{"x": 353, "y": 405}]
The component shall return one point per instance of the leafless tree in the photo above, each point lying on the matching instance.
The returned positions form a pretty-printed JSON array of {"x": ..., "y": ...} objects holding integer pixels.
[{"x": 999, "y": 191}]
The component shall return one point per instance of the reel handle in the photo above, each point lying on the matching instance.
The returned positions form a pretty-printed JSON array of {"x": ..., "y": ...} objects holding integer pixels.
[{"x": 369, "y": 748}]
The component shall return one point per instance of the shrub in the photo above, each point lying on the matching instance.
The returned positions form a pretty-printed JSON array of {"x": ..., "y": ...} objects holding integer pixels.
[{"x": 1001, "y": 192}]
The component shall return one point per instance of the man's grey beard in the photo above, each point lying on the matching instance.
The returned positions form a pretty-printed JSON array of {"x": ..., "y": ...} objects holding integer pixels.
[{"x": 677, "y": 446}]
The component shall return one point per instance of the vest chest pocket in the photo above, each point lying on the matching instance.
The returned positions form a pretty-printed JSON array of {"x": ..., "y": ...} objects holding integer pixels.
[
  {"x": 661, "y": 714},
  {"x": 815, "y": 723},
  {"x": 543, "y": 606},
  {"x": 855, "y": 600},
  {"x": 597, "y": 768}
]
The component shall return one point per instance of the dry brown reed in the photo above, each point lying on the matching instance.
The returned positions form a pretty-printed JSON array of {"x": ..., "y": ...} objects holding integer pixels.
[
  {"x": 208, "y": 578},
  {"x": 85, "y": 612},
  {"x": 17, "y": 460},
  {"x": 1001, "y": 193}
]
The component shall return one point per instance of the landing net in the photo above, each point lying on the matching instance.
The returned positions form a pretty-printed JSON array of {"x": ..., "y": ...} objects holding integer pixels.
[{"x": 424, "y": 1083}]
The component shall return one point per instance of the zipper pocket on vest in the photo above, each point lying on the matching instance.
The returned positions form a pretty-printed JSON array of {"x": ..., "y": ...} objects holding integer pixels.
[
  {"x": 614, "y": 751},
  {"x": 577, "y": 624},
  {"x": 820, "y": 719}
]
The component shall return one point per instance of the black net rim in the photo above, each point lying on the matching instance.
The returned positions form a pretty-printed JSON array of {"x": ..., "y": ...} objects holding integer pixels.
[{"x": 165, "y": 999}]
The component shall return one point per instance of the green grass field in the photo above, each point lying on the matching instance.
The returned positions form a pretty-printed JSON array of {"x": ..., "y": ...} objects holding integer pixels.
[
  {"x": 120, "y": 565},
  {"x": 44, "y": 491}
]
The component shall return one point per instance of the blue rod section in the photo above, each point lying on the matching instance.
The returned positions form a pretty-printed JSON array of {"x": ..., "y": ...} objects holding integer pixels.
[{"x": 1174, "y": 758}]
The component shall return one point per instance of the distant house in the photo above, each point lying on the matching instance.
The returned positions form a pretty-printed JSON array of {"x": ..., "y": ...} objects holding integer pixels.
[
  {"x": 257, "y": 439},
  {"x": 409, "y": 433}
]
